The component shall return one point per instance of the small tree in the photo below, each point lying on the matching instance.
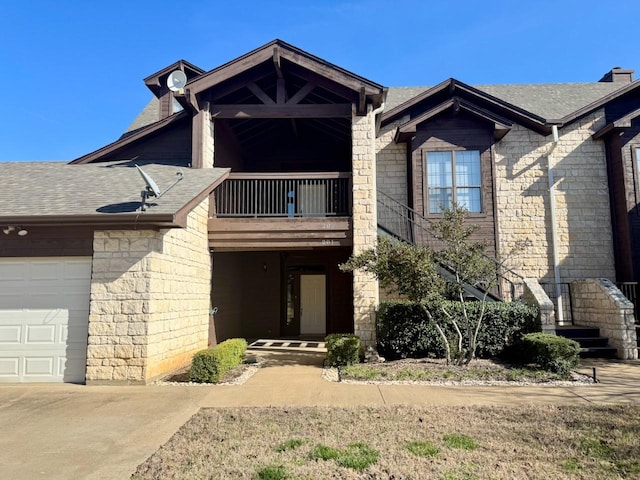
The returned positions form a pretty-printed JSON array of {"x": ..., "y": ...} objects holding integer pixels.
[
  {"x": 409, "y": 269},
  {"x": 469, "y": 268},
  {"x": 419, "y": 271}
]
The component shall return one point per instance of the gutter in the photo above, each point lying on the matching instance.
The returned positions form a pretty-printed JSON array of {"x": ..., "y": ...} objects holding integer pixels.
[
  {"x": 554, "y": 229},
  {"x": 374, "y": 195}
]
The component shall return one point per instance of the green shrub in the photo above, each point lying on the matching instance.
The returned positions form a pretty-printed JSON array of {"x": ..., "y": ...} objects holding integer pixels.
[
  {"x": 551, "y": 352},
  {"x": 404, "y": 331},
  {"x": 342, "y": 349},
  {"x": 209, "y": 365}
]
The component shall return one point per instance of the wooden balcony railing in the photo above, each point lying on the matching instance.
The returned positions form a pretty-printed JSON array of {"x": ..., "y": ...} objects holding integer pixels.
[{"x": 290, "y": 195}]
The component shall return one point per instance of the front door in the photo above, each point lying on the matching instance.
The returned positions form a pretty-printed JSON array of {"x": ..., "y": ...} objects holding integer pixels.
[{"x": 313, "y": 304}]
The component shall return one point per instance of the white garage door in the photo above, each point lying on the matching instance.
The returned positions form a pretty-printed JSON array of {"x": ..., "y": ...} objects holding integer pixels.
[{"x": 44, "y": 317}]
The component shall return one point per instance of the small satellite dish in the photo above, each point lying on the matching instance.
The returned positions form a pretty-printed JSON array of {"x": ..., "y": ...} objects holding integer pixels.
[
  {"x": 152, "y": 187},
  {"x": 176, "y": 80}
]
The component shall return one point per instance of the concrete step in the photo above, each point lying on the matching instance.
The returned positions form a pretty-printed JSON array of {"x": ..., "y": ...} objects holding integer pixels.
[
  {"x": 598, "y": 352},
  {"x": 592, "y": 345}
]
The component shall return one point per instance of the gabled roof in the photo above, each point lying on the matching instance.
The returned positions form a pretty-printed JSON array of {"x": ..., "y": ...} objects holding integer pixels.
[
  {"x": 453, "y": 87},
  {"x": 276, "y": 50},
  {"x": 155, "y": 81},
  {"x": 149, "y": 114},
  {"x": 552, "y": 103},
  {"x": 99, "y": 194},
  {"x": 500, "y": 125}
]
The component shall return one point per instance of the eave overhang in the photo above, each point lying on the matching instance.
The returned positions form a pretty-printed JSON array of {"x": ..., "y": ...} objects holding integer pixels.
[
  {"x": 274, "y": 52},
  {"x": 618, "y": 125},
  {"x": 156, "y": 82},
  {"x": 487, "y": 103},
  {"x": 601, "y": 102},
  {"x": 501, "y": 125},
  {"x": 129, "y": 139}
]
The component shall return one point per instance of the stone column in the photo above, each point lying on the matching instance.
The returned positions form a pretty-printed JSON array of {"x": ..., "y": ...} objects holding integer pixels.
[
  {"x": 202, "y": 139},
  {"x": 365, "y": 286}
]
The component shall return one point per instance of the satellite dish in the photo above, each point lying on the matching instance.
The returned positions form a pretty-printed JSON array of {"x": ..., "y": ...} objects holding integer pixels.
[
  {"x": 152, "y": 187},
  {"x": 176, "y": 80}
]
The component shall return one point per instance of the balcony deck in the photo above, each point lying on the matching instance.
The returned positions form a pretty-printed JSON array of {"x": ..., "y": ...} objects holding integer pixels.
[{"x": 282, "y": 211}]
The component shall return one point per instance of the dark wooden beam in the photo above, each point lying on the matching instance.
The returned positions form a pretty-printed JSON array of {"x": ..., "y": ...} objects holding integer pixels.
[
  {"x": 231, "y": 86},
  {"x": 192, "y": 100},
  {"x": 301, "y": 94},
  {"x": 322, "y": 82},
  {"x": 362, "y": 102},
  {"x": 337, "y": 110},
  {"x": 331, "y": 72},
  {"x": 276, "y": 62},
  {"x": 281, "y": 92},
  {"x": 258, "y": 92}
]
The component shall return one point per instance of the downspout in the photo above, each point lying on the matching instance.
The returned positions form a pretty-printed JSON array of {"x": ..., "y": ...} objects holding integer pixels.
[
  {"x": 374, "y": 195},
  {"x": 554, "y": 232}
]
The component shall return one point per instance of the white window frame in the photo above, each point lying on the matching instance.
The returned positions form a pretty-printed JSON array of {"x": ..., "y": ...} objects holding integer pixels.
[{"x": 454, "y": 187}]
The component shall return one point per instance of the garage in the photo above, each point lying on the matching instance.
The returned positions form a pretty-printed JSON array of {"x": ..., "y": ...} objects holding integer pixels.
[{"x": 44, "y": 317}]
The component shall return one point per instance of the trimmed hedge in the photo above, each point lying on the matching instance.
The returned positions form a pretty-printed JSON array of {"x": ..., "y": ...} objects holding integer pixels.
[
  {"x": 209, "y": 365},
  {"x": 551, "y": 352},
  {"x": 342, "y": 349},
  {"x": 404, "y": 331}
]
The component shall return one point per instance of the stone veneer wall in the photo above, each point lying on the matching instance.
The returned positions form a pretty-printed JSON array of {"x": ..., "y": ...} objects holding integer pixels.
[
  {"x": 365, "y": 287},
  {"x": 597, "y": 302},
  {"x": 203, "y": 138},
  {"x": 391, "y": 159},
  {"x": 150, "y": 296},
  {"x": 535, "y": 295},
  {"x": 585, "y": 242}
]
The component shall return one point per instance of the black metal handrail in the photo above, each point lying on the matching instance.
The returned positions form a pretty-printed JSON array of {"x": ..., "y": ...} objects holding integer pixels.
[
  {"x": 407, "y": 225},
  {"x": 631, "y": 290},
  {"x": 284, "y": 195}
]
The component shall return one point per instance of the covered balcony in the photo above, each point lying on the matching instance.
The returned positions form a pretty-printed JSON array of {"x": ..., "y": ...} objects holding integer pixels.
[{"x": 282, "y": 210}]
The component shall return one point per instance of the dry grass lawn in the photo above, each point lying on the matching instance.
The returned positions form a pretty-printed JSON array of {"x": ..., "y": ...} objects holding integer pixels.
[{"x": 581, "y": 442}]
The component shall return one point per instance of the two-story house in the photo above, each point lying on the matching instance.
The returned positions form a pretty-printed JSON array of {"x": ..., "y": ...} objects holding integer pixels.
[{"x": 288, "y": 165}]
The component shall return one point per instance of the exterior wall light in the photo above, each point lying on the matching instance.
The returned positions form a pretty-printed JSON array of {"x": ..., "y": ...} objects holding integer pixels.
[{"x": 11, "y": 228}]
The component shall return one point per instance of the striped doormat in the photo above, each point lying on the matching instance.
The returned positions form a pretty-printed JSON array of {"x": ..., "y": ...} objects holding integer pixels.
[{"x": 307, "y": 345}]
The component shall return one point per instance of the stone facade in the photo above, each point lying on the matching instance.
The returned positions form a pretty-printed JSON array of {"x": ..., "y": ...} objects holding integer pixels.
[
  {"x": 598, "y": 303},
  {"x": 391, "y": 159},
  {"x": 150, "y": 298},
  {"x": 534, "y": 295},
  {"x": 203, "y": 141},
  {"x": 365, "y": 230},
  {"x": 585, "y": 244}
]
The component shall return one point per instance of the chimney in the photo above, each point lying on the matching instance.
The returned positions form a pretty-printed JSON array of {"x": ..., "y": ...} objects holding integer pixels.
[{"x": 618, "y": 75}]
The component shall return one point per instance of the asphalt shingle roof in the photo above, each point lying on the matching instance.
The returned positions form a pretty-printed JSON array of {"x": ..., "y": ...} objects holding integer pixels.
[
  {"x": 41, "y": 189},
  {"x": 149, "y": 114},
  {"x": 547, "y": 100}
]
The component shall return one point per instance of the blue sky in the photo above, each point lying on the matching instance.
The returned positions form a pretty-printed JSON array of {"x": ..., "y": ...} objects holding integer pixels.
[{"x": 73, "y": 70}]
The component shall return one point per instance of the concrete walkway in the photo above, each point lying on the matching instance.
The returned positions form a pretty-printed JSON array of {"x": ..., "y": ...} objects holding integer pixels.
[
  {"x": 289, "y": 379},
  {"x": 61, "y": 431}
]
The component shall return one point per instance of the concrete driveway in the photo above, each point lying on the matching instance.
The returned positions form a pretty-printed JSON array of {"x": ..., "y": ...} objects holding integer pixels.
[{"x": 77, "y": 432}]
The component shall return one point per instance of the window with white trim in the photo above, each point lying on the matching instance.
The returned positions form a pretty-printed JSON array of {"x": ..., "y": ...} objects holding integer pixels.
[{"x": 453, "y": 176}]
